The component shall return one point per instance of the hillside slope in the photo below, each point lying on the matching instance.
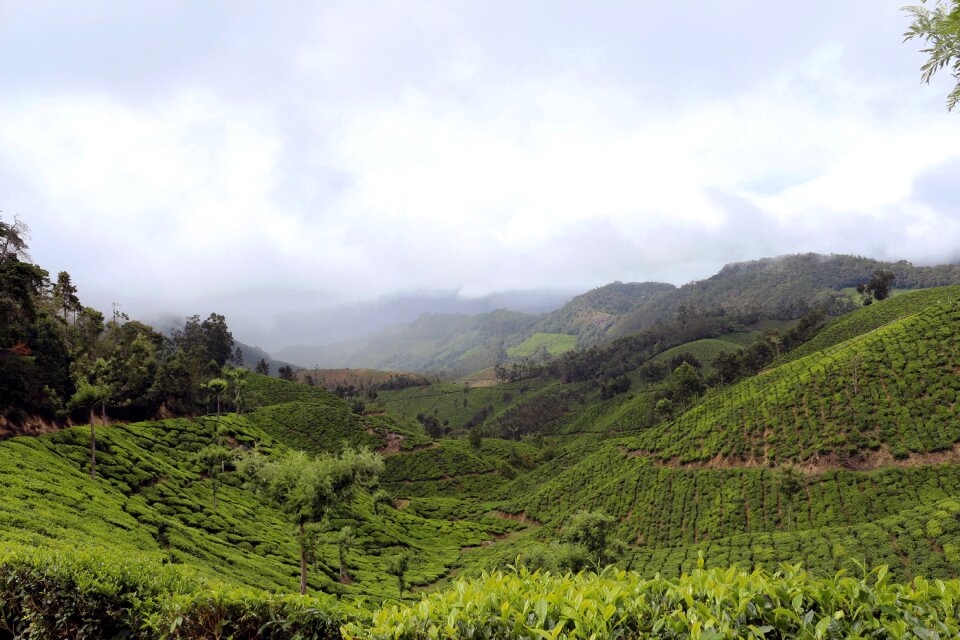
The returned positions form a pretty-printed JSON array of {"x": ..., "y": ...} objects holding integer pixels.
[
  {"x": 151, "y": 499},
  {"x": 849, "y": 453},
  {"x": 892, "y": 389}
]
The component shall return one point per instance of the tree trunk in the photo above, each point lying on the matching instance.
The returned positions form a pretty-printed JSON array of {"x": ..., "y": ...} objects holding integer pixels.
[
  {"x": 214, "y": 494},
  {"x": 93, "y": 447},
  {"x": 303, "y": 562}
]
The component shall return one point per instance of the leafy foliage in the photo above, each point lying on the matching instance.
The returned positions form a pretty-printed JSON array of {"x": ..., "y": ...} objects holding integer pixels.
[
  {"x": 704, "y": 604},
  {"x": 939, "y": 28}
]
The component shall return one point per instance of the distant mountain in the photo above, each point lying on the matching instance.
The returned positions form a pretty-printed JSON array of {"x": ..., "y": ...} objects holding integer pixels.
[
  {"x": 459, "y": 343},
  {"x": 780, "y": 288},
  {"x": 352, "y": 321},
  {"x": 451, "y": 343},
  {"x": 589, "y": 315}
]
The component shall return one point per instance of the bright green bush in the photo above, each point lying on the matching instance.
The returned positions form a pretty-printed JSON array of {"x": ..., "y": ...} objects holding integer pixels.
[
  {"x": 96, "y": 593},
  {"x": 711, "y": 604},
  {"x": 83, "y": 593}
]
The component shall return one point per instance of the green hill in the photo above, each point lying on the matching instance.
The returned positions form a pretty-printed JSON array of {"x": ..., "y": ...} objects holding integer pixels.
[
  {"x": 840, "y": 454},
  {"x": 843, "y": 455},
  {"x": 873, "y": 317},
  {"x": 771, "y": 289},
  {"x": 151, "y": 499},
  {"x": 891, "y": 389}
]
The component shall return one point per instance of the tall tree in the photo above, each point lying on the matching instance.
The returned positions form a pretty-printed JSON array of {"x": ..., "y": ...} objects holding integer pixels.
[
  {"x": 939, "y": 28},
  {"x": 217, "y": 338},
  {"x": 309, "y": 488},
  {"x": 213, "y": 460},
  {"x": 93, "y": 391},
  {"x": 381, "y": 500},
  {"x": 65, "y": 294},
  {"x": 880, "y": 283},
  {"x": 397, "y": 566},
  {"x": 686, "y": 383},
  {"x": 878, "y": 287},
  {"x": 216, "y": 388},
  {"x": 238, "y": 380}
]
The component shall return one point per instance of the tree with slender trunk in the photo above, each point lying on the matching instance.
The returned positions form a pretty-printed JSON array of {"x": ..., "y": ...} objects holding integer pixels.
[
  {"x": 66, "y": 295},
  {"x": 381, "y": 500},
  {"x": 93, "y": 390},
  {"x": 308, "y": 488},
  {"x": 215, "y": 387},
  {"x": 13, "y": 240},
  {"x": 238, "y": 379},
  {"x": 91, "y": 394},
  {"x": 213, "y": 460}
]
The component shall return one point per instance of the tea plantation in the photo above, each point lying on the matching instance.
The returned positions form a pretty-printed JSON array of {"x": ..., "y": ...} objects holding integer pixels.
[{"x": 819, "y": 498}]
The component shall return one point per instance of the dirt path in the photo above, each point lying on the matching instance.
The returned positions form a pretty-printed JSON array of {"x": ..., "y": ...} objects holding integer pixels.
[
  {"x": 819, "y": 464},
  {"x": 521, "y": 517}
]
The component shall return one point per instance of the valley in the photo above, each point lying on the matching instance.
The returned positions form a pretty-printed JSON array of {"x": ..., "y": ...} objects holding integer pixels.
[{"x": 716, "y": 437}]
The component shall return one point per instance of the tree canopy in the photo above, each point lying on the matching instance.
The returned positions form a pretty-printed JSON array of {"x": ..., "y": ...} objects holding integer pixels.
[{"x": 308, "y": 488}]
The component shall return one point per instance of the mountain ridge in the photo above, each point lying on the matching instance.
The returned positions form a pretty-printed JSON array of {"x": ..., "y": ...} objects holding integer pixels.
[{"x": 782, "y": 287}]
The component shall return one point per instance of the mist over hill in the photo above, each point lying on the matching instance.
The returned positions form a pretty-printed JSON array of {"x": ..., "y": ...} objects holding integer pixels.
[
  {"x": 351, "y": 321},
  {"x": 778, "y": 288}
]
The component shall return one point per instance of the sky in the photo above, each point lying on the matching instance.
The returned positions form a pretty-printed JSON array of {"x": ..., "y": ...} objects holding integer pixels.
[{"x": 274, "y": 160}]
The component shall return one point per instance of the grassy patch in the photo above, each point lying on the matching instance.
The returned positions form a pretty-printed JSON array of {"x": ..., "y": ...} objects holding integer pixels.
[{"x": 554, "y": 344}]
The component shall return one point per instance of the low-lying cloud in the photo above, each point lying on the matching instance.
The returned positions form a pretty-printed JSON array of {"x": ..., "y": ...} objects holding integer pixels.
[{"x": 279, "y": 162}]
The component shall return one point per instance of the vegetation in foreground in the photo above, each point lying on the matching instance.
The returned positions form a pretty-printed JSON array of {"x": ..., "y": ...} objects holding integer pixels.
[{"x": 89, "y": 594}]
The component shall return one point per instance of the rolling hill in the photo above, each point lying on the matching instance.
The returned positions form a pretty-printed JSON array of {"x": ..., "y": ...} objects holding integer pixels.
[
  {"x": 841, "y": 453},
  {"x": 781, "y": 288}
]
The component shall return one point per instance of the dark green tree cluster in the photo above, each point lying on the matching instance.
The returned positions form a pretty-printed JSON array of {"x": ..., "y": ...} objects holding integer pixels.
[
  {"x": 60, "y": 359},
  {"x": 604, "y": 363},
  {"x": 877, "y": 287},
  {"x": 588, "y": 543},
  {"x": 520, "y": 370},
  {"x": 730, "y": 366}
]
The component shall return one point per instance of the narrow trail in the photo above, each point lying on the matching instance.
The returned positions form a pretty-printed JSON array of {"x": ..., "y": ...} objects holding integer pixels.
[{"x": 818, "y": 465}]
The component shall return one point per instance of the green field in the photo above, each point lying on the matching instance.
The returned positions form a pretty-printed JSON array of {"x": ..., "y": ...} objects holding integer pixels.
[{"x": 553, "y": 343}]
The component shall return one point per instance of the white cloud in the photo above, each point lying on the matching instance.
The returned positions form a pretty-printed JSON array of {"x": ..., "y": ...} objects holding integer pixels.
[{"x": 394, "y": 148}]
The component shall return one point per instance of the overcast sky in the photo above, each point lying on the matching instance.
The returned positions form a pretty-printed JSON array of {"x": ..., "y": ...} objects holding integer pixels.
[{"x": 271, "y": 158}]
